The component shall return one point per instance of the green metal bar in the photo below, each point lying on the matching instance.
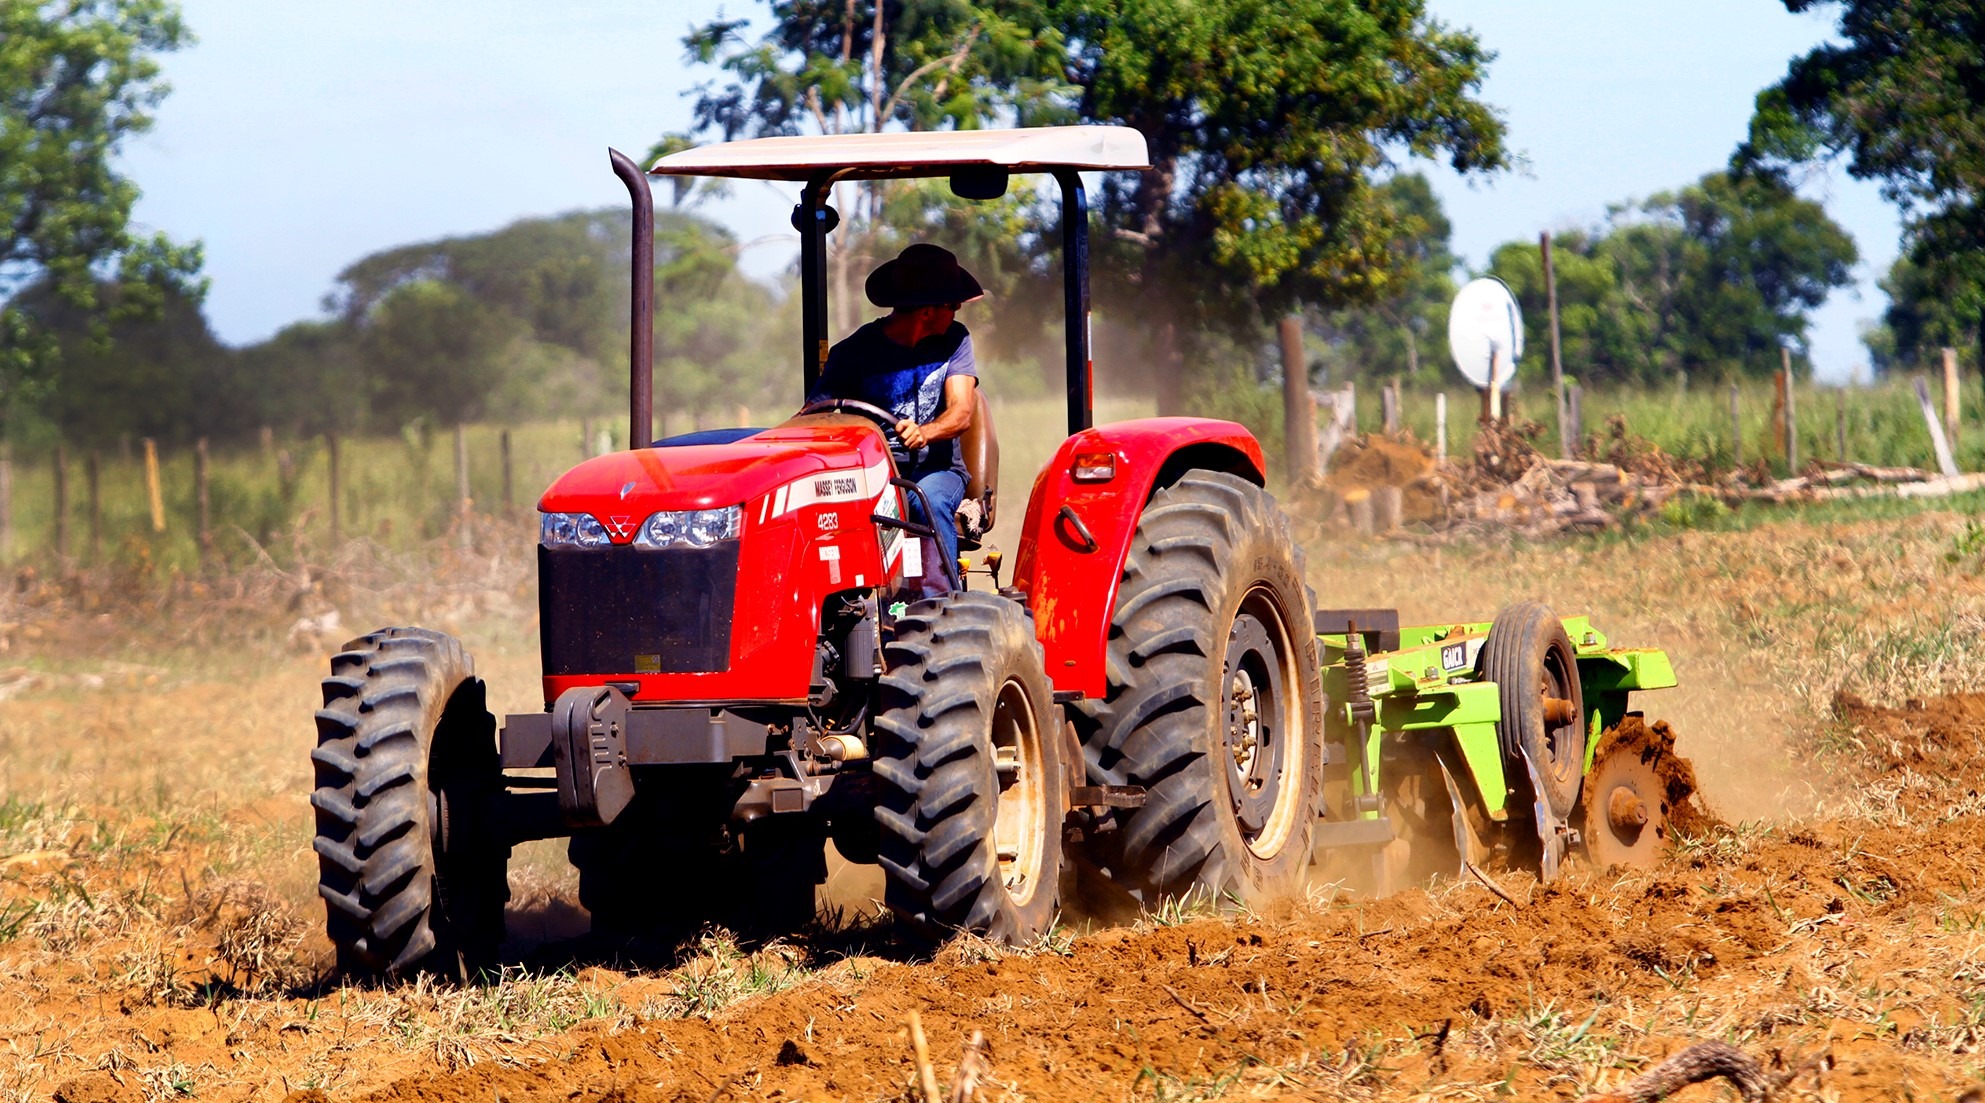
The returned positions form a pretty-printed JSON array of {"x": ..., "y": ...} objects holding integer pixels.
[
  {"x": 1626, "y": 668},
  {"x": 1484, "y": 756},
  {"x": 1431, "y": 685}
]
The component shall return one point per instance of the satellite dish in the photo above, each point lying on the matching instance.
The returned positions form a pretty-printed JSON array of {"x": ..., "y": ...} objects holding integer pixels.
[{"x": 1485, "y": 332}]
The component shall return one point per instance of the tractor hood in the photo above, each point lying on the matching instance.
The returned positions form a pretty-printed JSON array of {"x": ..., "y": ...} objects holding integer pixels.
[{"x": 623, "y": 488}]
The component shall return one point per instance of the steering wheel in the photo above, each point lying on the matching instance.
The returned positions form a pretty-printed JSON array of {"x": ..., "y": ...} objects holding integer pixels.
[{"x": 883, "y": 419}]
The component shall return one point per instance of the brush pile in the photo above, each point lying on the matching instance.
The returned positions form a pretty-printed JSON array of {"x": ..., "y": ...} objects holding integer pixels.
[{"x": 1396, "y": 487}]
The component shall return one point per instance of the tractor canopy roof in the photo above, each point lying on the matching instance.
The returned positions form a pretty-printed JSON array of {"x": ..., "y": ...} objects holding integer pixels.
[{"x": 914, "y": 153}]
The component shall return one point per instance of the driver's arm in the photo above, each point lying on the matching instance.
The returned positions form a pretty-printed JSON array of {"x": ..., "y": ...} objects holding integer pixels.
[{"x": 954, "y": 419}]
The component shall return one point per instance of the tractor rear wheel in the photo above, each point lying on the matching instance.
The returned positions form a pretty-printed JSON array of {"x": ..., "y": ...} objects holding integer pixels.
[
  {"x": 1530, "y": 658},
  {"x": 406, "y": 770},
  {"x": 967, "y": 756},
  {"x": 1215, "y": 700}
]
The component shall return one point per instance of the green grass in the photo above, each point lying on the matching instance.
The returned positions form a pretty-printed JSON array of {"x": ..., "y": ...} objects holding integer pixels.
[
  {"x": 396, "y": 491},
  {"x": 399, "y": 491},
  {"x": 1884, "y": 423}
]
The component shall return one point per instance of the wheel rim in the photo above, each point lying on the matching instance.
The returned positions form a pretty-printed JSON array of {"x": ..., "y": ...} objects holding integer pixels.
[
  {"x": 1261, "y": 743},
  {"x": 1626, "y": 820},
  {"x": 1565, "y": 741},
  {"x": 1019, "y": 843}
]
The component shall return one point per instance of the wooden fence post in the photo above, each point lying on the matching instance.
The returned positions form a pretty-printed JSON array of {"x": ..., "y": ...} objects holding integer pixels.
[
  {"x": 1388, "y": 506},
  {"x": 1953, "y": 399},
  {"x": 204, "y": 533},
  {"x": 463, "y": 504},
  {"x": 1340, "y": 425},
  {"x": 6, "y": 501},
  {"x": 337, "y": 522},
  {"x": 152, "y": 488},
  {"x": 61, "y": 502},
  {"x": 1840, "y": 422},
  {"x": 1779, "y": 381},
  {"x": 92, "y": 475},
  {"x": 1575, "y": 410},
  {"x": 1440, "y": 427},
  {"x": 1567, "y": 438},
  {"x": 1388, "y": 399},
  {"x": 1791, "y": 415},
  {"x": 1945, "y": 463},
  {"x": 509, "y": 497},
  {"x": 1736, "y": 427},
  {"x": 585, "y": 438},
  {"x": 1298, "y": 408}
]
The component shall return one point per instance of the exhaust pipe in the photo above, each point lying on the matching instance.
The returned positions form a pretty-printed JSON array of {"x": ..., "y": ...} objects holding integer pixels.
[{"x": 641, "y": 315}]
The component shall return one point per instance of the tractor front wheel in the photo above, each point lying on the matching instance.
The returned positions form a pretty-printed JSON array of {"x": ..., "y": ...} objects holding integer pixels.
[
  {"x": 967, "y": 759},
  {"x": 406, "y": 770},
  {"x": 1215, "y": 702}
]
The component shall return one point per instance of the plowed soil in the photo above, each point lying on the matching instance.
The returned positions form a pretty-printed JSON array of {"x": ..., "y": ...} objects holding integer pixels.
[
  {"x": 1856, "y": 934},
  {"x": 159, "y": 940}
]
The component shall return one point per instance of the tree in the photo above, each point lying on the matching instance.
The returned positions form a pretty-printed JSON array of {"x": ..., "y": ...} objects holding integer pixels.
[
  {"x": 527, "y": 320},
  {"x": 1267, "y": 121},
  {"x": 864, "y": 66},
  {"x": 1900, "y": 92},
  {"x": 163, "y": 374},
  {"x": 1404, "y": 332},
  {"x": 852, "y": 66},
  {"x": 1928, "y": 311},
  {"x": 1708, "y": 281},
  {"x": 76, "y": 80}
]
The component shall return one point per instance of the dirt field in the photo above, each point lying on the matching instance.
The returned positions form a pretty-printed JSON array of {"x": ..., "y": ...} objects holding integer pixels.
[{"x": 159, "y": 935}]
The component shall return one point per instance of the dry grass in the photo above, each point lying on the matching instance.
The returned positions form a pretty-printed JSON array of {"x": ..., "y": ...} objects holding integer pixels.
[
  {"x": 1764, "y": 625},
  {"x": 155, "y": 861}
]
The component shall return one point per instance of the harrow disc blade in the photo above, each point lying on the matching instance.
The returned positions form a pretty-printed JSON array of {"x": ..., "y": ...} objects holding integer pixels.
[{"x": 1626, "y": 811}]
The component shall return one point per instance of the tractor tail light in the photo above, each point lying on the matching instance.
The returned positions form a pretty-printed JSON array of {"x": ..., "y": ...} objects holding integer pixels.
[{"x": 1095, "y": 467}]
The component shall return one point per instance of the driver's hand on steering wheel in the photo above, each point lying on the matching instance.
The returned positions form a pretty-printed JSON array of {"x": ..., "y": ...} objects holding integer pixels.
[{"x": 912, "y": 434}]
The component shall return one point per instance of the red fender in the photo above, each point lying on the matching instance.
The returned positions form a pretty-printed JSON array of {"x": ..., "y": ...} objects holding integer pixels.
[{"x": 1071, "y": 586}]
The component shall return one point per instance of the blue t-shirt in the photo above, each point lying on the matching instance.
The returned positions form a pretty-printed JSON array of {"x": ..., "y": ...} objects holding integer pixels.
[{"x": 906, "y": 380}]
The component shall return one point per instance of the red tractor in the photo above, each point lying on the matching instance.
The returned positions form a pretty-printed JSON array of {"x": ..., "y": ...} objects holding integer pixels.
[{"x": 737, "y": 667}]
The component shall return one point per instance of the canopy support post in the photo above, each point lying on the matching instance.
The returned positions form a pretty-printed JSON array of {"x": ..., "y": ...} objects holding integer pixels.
[
  {"x": 814, "y": 220},
  {"x": 1075, "y": 298}
]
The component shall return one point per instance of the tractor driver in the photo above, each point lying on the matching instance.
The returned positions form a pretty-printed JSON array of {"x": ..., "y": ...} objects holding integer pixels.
[{"x": 917, "y": 364}]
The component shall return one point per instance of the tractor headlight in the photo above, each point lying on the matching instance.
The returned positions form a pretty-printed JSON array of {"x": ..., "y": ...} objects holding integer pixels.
[
  {"x": 572, "y": 530},
  {"x": 695, "y": 528}
]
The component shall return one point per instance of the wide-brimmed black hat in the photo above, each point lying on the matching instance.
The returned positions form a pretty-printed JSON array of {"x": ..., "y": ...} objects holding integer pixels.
[{"x": 922, "y": 275}]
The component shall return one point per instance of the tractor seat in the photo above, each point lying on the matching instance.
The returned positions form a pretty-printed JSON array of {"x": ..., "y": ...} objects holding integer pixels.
[{"x": 979, "y": 445}]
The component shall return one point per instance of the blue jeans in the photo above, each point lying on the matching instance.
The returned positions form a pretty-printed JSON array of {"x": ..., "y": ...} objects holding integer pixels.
[{"x": 946, "y": 490}]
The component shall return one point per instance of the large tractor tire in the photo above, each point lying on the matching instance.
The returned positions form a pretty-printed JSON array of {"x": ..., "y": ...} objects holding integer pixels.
[
  {"x": 967, "y": 754},
  {"x": 1530, "y": 658},
  {"x": 406, "y": 766},
  {"x": 1215, "y": 701}
]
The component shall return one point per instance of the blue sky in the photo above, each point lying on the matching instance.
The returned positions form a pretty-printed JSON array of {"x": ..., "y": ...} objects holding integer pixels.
[{"x": 299, "y": 137}]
